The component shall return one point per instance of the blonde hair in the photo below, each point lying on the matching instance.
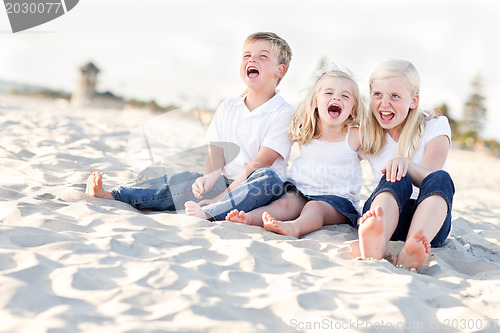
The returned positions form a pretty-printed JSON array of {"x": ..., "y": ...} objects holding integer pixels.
[
  {"x": 305, "y": 123},
  {"x": 414, "y": 124},
  {"x": 279, "y": 46}
]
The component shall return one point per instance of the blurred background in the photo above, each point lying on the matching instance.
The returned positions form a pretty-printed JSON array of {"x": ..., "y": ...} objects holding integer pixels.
[{"x": 166, "y": 54}]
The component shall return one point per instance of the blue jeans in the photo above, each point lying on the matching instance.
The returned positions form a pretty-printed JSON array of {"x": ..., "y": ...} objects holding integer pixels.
[
  {"x": 436, "y": 183},
  {"x": 261, "y": 187},
  {"x": 168, "y": 192}
]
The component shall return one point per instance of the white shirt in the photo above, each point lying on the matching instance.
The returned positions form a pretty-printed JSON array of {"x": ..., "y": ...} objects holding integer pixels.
[
  {"x": 328, "y": 168},
  {"x": 267, "y": 126},
  {"x": 433, "y": 128}
]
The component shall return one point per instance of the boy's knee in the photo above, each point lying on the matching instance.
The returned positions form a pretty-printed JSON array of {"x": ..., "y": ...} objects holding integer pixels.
[{"x": 264, "y": 174}]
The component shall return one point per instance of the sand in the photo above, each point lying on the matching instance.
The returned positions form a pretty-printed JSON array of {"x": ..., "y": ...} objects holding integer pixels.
[{"x": 71, "y": 263}]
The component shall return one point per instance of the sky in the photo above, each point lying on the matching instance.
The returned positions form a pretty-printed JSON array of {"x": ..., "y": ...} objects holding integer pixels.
[{"x": 188, "y": 51}]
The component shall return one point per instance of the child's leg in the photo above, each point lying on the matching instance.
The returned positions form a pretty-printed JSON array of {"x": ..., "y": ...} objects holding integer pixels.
[
  {"x": 425, "y": 224},
  {"x": 377, "y": 225},
  {"x": 432, "y": 215},
  {"x": 261, "y": 187},
  {"x": 314, "y": 215},
  {"x": 287, "y": 207},
  {"x": 95, "y": 188},
  {"x": 166, "y": 193},
  {"x": 381, "y": 217}
]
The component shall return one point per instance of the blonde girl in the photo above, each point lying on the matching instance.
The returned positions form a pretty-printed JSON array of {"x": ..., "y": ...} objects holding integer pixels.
[
  {"x": 326, "y": 178},
  {"x": 407, "y": 150}
]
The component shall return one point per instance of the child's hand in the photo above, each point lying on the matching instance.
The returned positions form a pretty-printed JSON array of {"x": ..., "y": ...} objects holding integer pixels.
[
  {"x": 396, "y": 169},
  {"x": 201, "y": 186}
]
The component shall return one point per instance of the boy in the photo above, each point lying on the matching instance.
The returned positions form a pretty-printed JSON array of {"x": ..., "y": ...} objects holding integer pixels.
[{"x": 258, "y": 123}]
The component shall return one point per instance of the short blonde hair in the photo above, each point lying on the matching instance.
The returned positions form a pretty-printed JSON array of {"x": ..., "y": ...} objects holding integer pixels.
[
  {"x": 279, "y": 46},
  {"x": 414, "y": 124},
  {"x": 305, "y": 123}
]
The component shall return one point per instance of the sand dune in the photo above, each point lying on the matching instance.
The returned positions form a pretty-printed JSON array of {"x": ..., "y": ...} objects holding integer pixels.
[{"x": 71, "y": 263}]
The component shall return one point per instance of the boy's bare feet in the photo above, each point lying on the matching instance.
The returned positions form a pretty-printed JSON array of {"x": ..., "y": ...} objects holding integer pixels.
[
  {"x": 95, "y": 189},
  {"x": 236, "y": 216},
  {"x": 279, "y": 227},
  {"x": 371, "y": 234},
  {"x": 194, "y": 209},
  {"x": 414, "y": 253}
]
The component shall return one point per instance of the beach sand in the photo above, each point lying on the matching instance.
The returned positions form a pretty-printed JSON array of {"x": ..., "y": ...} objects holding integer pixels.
[{"x": 72, "y": 263}]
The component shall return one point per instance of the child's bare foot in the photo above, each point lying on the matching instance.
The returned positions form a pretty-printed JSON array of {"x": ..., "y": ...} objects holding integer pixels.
[
  {"x": 350, "y": 250},
  {"x": 95, "y": 189},
  {"x": 279, "y": 227},
  {"x": 194, "y": 209},
  {"x": 236, "y": 216},
  {"x": 414, "y": 253},
  {"x": 371, "y": 234}
]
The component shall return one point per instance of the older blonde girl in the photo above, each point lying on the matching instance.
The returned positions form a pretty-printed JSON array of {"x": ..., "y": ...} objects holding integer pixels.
[{"x": 407, "y": 150}]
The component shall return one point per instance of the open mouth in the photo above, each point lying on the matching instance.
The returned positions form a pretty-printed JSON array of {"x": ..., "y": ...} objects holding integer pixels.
[
  {"x": 334, "y": 110},
  {"x": 252, "y": 72},
  {"x": 386, "y": 115}
]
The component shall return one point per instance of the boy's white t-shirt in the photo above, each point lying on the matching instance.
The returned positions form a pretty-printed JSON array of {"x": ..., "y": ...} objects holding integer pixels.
[
  {"x": 267, "y": 126},
  {"x": 433, "y": 128}
]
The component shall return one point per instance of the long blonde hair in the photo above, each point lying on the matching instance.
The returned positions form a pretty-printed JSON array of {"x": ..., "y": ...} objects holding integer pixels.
[
  {"x": 305, "y": 123},
  {"x": 414, "y": 124}
]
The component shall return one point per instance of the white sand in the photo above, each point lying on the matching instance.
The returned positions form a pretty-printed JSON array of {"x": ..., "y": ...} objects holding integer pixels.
[{"x": 72, "y": 263}]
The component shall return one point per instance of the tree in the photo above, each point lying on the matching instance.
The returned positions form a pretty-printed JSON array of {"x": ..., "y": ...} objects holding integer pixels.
[
  {"x": 474, "y": 116},
  {"x": 323, "y": 62},
  {"x": 443, "y": 110}
]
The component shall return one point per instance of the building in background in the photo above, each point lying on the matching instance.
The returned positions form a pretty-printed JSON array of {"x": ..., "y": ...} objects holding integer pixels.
[{"x": 86, "y": 96}]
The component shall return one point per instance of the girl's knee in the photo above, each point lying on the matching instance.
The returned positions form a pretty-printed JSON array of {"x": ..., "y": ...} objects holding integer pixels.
[
  {"x": 286, "y": 203},
  {"x": 315, "y": 204},
  {"x": 400, "y": 191},
  {"x": 403, "y": 186},
  {"x": 438, "y": 182},
  {"x": 281, "y": 204},
  {"x": 442, "y": 178}
]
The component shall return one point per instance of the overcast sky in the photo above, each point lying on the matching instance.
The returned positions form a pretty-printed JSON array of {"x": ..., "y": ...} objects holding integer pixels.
[{"x": 188, "y": 51}]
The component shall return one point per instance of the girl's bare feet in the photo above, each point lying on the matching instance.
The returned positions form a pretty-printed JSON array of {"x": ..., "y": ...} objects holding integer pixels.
[
  {"x": 194, "y": 209},
  {"x": 414, "y": 253},
  {"x": 95, "y": 188},
  {"x": 371, "y": 234},
  {"x": 236, "y": 216},
  {"x": 279, "y": 227}
]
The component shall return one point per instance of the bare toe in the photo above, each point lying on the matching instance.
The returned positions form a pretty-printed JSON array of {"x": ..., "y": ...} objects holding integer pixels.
[
  {"x": 194, "y": 209},
  {"x": 95, "y": 188},
  {"x": 415, "y": 252},
  {"x": 283, "y": 228},
  {"x": 236, "y": 216}
]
